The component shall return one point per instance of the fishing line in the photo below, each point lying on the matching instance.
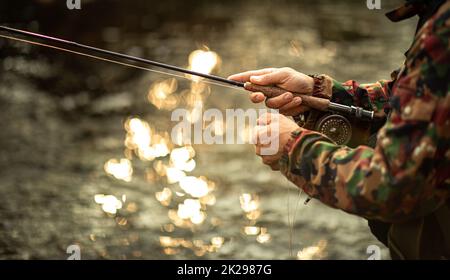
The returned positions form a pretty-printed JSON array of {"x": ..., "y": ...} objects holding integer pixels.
[
  {"x": 292, "y": 219},
  {"x": 119, "y": 62},
  {"x": 289, "y": 222}
]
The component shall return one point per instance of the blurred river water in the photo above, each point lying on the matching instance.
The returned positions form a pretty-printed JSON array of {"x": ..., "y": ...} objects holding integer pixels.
[{"x": 86, "y": 156}]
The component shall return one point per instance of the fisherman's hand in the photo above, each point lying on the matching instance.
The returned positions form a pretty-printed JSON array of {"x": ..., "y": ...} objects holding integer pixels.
[
  {"x": 273, "y": 130},
  {"x": 285, "y": 78}
]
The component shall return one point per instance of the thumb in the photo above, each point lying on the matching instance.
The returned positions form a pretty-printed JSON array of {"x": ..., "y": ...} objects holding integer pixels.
[{"x": 268, "y": 79}]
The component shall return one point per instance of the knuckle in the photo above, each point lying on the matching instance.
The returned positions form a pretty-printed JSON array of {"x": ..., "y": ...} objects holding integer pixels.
[
  {"x": 264, "y": 117},
  {"x": 269, "y": 102},
  {"x": 260, "y": 121},
  {"x": 271, "y": 106},
  {"x": 255, "y": 99}
]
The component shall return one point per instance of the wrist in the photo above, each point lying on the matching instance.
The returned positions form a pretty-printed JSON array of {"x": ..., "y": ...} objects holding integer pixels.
[
  {"x": 294, "y": 135},
  {"x": 322, "y": 86},
  {"x": 285, "y": 157},
  {"x": 310, "y": 85}
]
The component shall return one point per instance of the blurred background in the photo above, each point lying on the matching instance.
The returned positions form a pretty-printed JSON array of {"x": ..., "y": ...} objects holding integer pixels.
[{"x": 85, "y": 152}]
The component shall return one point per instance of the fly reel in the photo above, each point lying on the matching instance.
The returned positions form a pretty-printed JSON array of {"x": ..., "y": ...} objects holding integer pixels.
[
  {"x": 343, "y": 130},
  {"x": 336, "y": 127}
]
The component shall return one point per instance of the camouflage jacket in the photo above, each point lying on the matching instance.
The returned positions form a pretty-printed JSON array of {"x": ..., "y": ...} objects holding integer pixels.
[{"x": 407, "y": 174}]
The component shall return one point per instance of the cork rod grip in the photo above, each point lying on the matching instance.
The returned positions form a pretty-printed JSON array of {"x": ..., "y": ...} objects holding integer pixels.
[{"x": 317, "y": 103}]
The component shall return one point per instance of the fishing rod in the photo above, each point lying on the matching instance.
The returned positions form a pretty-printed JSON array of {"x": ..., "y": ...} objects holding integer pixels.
[
  {"x": 320, "y": 104},
  {"x": 119, "y": 55}
]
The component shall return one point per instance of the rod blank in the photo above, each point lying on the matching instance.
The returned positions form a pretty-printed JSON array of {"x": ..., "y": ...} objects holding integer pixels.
[{"x": 120, "y": 55}]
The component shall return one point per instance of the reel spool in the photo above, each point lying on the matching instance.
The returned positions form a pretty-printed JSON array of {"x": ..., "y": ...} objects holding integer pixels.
[{"x": 336, "y": 127}]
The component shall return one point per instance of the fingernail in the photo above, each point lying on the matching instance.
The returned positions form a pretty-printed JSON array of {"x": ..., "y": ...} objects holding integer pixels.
[
  {"x": 255, "y": 78},
  {"x": 288, "y": 96},
  {"x": 297, "y": 100}
]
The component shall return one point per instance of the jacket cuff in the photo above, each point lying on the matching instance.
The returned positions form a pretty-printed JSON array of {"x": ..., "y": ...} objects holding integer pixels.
[{"x": 284, "y": 161}]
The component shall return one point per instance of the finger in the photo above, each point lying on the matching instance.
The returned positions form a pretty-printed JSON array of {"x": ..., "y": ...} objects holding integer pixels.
[
  {"x": 264, "y": 119},
  {"x": 254, "y": 138},
  {"x": 257, "y": 97},
  {"x": 272, "y": 78},
  {"x": 269, "y": 160},
  {"x": 280, "y": 101},
  {"x": 260, "y": 136},
  {"x": 245, "y": 76},
  {"x": 275, "y": 166},
  {"x": 296, "y": 102},
  {"x": 259, "y": 129},
  {"x": 264, "y": 136},
  {"x": 259, "y": 149}
]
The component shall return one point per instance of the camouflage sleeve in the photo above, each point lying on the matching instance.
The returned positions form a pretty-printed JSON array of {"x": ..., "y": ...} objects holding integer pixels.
[
  {"x": 407, "y": 175},
  {"x": 373, "y": 96}
]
